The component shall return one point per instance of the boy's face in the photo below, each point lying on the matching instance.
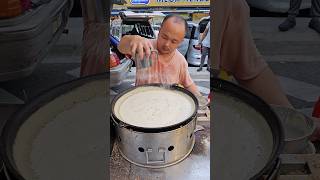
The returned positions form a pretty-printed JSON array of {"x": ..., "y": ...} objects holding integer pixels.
[{"x": 170, "y": 36}]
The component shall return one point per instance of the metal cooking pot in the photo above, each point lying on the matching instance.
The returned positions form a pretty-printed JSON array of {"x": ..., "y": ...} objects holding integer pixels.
[
  {"x": 297, "y": 129},
  {"x": 156, "y": 147}
]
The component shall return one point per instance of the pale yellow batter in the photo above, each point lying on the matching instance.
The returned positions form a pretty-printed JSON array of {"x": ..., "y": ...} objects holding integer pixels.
[
  {"x": 66, "y": 138},
  {"x": 154, "y": 107}
]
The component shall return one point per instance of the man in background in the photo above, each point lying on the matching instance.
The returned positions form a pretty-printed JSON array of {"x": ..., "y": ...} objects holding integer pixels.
[
  {"x": 290, "y": 21},
  {"x": 204, "y": 42}
]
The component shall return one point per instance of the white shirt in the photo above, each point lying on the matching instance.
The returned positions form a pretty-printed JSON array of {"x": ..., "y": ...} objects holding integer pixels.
[{"x": 206, "y": 40}]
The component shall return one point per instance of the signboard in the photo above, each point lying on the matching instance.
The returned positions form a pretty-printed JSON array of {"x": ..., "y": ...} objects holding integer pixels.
[
  {"x": 167, "y": 3},
  {"x": 139, "y": 2}
]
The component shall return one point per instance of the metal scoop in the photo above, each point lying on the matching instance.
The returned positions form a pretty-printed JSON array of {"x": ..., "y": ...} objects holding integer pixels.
[{"x": 146, "y": 63}]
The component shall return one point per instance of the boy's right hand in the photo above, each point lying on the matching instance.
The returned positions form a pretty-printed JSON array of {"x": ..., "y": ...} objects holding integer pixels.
[{"x": 140, "y": 47}]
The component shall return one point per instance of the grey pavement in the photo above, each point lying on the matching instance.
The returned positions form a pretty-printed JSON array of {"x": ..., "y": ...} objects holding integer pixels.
[
  {"x": 300, "y": 44},
  {"x": 266, "y": 29},
  {"x": 293, "y": 55}
]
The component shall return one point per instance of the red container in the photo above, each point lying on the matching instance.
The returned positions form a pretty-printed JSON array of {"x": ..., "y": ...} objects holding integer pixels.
[
  {"x": 316, "y": 109},
  {"x": 114, "y": 60},
  {"x": 25, "y": 4},
  {"x": 210, "y": 96}
]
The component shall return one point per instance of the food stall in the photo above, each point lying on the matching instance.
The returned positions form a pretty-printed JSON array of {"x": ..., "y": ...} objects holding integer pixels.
[{"x": 66, "y": 127}]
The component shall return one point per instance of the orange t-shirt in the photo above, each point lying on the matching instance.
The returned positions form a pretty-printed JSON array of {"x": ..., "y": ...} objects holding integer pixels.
[{"x": 173, "y": 72}]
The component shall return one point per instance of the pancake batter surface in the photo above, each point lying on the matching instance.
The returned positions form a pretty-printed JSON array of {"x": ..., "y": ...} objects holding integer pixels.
[
  {"x": 245, "y": 139},
  {"x": 152, "y": 107}
]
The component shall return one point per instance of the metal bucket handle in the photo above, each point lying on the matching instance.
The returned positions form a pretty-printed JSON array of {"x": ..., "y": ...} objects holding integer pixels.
[{"x": 118, "y": 124}]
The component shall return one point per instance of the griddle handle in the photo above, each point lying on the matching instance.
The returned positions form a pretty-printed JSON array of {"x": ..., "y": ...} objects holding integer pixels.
[{"x": 120, "y": 125}]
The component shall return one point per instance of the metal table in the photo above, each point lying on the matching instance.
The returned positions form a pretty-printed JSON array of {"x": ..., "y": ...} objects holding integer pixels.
[{"x": 195, "y": 166}]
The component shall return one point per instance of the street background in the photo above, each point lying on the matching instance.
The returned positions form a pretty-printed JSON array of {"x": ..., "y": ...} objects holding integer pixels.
[{"x": 294, "y": 56}]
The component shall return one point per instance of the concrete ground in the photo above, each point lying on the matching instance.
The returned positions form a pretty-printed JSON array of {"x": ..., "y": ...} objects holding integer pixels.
[{"x": 294, "y": 56}]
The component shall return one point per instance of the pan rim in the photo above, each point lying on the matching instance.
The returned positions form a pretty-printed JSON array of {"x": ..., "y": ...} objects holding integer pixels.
[
  {"x": 14, "y": 123},
  {"x": 263, "y": 109},
  {"x": 155, "y": 129}
]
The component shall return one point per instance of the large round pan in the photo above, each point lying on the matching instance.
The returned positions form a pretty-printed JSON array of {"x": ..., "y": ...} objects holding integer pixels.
[
  {"x": 116, "y": 120},
  {"x": 248, "y": 136},
  {"x": 57, "y": 100}
]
